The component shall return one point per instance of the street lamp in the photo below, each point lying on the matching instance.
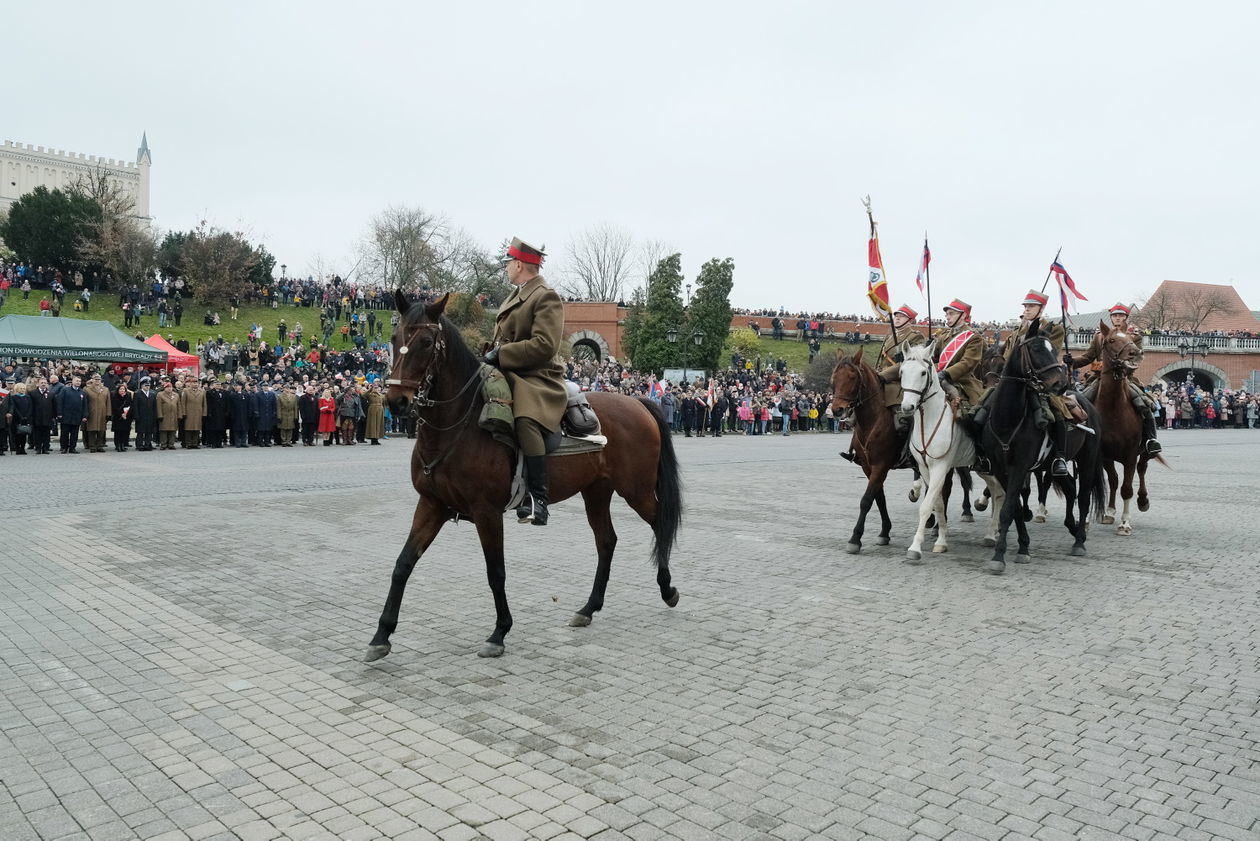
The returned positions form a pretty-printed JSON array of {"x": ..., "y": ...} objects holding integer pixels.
[
  {"x": 697, "y": 338},
  {"x": 1186, "y": 349},
  {"x": 284, "y": 270}
]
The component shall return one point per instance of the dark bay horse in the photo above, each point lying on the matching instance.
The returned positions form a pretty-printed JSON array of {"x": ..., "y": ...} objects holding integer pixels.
[
  {"x": 1122, "y": 426},
  {"x": 460, "y": 470},
  {"x": 1016, "y": 446},
  {"x": 856, "y": 388}
]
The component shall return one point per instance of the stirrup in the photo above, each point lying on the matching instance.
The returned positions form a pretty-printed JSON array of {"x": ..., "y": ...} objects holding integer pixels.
[
  {"x": 525, "y": 511},
  {"x": 849, "y": 456},
  {"x": 1059, "y": 468}
]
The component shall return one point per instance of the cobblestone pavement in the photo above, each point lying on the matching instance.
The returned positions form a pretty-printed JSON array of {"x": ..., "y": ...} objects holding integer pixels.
[{"x": 181, "y": 633}]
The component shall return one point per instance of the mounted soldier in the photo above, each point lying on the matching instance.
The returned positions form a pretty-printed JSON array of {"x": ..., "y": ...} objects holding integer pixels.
[
  {"x": 1055, "y": 413},
  {"x": 890, "y": 356},
  {"x": 527, "y": 335},
  {"x": 1137, "y": 394}
]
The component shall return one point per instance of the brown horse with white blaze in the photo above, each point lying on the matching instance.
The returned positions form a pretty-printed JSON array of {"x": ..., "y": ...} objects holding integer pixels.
[{"x": 460, "y": 470}]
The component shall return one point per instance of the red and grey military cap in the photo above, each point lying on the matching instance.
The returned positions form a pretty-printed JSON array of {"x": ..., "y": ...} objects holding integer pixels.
[
  {"x": 905, "y": 310},
  {"x": 526, "y": 253},
  {"x": 1120, "y": 309},
  {"x": 961, "y": 306},
  {"x": 1035, "y": 298}
]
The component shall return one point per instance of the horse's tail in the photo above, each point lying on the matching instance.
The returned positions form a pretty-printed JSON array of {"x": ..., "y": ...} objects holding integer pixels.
[
  {"x": 1098, "y": 493},
  {"x": 668, "y": 491}
]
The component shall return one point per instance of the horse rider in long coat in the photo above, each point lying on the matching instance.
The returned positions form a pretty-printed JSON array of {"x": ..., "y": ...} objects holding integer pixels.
[
  {"x": 1054, "y": 412},
  {"x": 527, "y": 335},
  {"x": 890, "y": 374},
  {"x": 1141, "y": 401}
]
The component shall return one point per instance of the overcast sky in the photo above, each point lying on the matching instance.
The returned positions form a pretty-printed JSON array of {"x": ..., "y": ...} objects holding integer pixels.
[{"x": 1125, "y": 132}]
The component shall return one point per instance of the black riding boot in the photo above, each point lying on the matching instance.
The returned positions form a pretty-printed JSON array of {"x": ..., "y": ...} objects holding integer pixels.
[
  {"x": 1058, "y": 443},
  {"x": 533, "y": 508},
  {"x": 1148, "y": 432}
]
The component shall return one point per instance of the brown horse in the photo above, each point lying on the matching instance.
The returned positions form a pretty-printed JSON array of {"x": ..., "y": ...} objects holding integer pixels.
[
  {"x": 460, "y": 471},
  {"x": 1121, "y": 426},
  {"x": 856, "y": 388}
]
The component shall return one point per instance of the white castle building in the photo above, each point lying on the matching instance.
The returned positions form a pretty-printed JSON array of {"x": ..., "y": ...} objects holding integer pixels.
[{"x": 23, "y": 168}]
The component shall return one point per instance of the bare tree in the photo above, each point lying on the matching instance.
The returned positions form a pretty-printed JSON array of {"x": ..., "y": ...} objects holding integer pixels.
[
  {"x": 117, "y": 241},
  {"x": 405, "y": 247},
  {"x": 1201, "y": 303},
  {"x": 1188, "y": 311},
  {"x": 1157, "y": 313},
  {"x": 97, "y": 184},
  {"x": 600, "y": 263}
]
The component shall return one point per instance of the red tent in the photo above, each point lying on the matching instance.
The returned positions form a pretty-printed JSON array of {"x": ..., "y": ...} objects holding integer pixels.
[{"x": 175, "y": 358}]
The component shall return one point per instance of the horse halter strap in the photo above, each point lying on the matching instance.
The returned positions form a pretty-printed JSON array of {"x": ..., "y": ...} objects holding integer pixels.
[
  {"x": 1032, "y": 376},
  {"x": 421, "y": 397}
]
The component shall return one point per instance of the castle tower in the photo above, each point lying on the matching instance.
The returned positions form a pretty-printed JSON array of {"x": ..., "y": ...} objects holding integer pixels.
[{"x": 143, "y": 161}]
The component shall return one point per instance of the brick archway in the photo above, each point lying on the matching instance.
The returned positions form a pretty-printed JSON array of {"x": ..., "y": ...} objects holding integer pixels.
[
  {"x": 592, "y": 340},
  {"x": 1175, "y": 372}
]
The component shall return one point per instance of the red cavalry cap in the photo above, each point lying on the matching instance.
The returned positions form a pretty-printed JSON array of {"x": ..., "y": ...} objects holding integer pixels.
[
  {"x": 959, "y": 305},
  {"x": 905, "y": 310},
  {"x": 1035, "y": 297},
  {"x": 1120, "y": 308},
  {"x": 525, "y": 252}
]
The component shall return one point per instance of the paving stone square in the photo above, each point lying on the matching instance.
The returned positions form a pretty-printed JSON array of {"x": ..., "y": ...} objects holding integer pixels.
[{"x": 181, "y": 637}]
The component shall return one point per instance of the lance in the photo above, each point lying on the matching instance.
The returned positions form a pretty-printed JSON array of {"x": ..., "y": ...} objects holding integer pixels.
[
  {"x": 891, "y": 325},
  {"x": 1052, "y": 262},
  {"x": 927, "y": 281}
]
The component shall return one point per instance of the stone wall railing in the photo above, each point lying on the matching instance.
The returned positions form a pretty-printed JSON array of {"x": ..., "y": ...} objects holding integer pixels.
[{"x": 1217, "y": 344}]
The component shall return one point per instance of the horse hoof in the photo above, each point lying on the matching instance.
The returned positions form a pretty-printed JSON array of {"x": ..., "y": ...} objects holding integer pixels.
[
  {"x": 1108, "y": 519},
  {"x": 1078, "y": 551},
  {"x": 1039, "y": 518},
  {"x": 1023, "y": 558},
  {"x": 490, "y": 649},
  {"x": 914, "y": 496},
  {"x": 988, "y": 541},
  {"x": 579, "y": 621},
  {"x": 913, "y": 557},
  {"x": 995, "y": 567},
  {"x": 1124, "y": 531},
  {"x": 882, "y": 541},
  {"x": 940, "y": 550},
  {"x": 852, "y": 548},
  {"x": 376, "y": 652},
  {"x": 979, "y": 505},
  {"x": 967, "y": 518},
  {"x": 1144, "y": 505},
  {"x": 672, "y": 601}
]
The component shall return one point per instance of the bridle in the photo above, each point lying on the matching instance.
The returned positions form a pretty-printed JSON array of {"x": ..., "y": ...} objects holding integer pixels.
[
  {"x": 1032, "y": 377},
  {"x": 861, "y": 395},
  {"x": 925, "y": 439},
  {"x": 1114, "y": 363}
]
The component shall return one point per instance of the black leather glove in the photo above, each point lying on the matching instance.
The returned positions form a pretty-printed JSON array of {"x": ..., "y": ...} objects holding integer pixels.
[
  {"x": 492, "y": 357},
  {"x": 945, "y": 378}
]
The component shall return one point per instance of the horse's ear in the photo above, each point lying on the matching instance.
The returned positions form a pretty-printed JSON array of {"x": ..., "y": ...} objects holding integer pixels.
[
  {"x": 1103, "y": 328},
  {"x": 401, "y": 302},
  {"x": 434, "y": 310}
]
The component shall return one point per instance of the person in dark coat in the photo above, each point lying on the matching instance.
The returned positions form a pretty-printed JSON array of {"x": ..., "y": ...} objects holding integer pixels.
[
  {"x": 120, "y": 416},
  {"x": 266, "y": 399},
  {"x": 43, "y": 412},
  {"x": 4, "y": 418},
  {"x": 71, "y": 414},
  {"x": 18, "y": 414},
  {"x": 308, "y": 412},
  {"x": 144, "y": 415},
  {"x": 251, "y": 414},
  {"x": 216, "y": 415},
  {"x": 238, "y": 415},
  {"x": 688, "y": 406}
]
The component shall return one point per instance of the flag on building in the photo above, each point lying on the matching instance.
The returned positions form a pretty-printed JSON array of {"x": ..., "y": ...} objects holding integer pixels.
[
  {"x": 876, "y": 285},
  {"x": 923, "y": 267},
  {"x": 1066, "y": 284}
]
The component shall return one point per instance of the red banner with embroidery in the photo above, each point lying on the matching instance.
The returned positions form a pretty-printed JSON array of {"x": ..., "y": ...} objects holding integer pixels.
[{"x": 951, "y": 349}]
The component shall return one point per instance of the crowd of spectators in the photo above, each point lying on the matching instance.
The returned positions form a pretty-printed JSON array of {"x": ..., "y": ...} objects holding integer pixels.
[{"x": 1186, "y": 406}]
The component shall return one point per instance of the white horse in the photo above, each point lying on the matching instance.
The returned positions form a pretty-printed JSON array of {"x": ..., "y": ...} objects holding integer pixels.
[{"x": 938, "y": 446}]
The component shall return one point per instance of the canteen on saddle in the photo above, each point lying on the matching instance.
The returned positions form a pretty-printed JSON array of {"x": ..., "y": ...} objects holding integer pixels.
[
  {"x": 578, "y": 423},
  {"x": 579, "y": 418}
]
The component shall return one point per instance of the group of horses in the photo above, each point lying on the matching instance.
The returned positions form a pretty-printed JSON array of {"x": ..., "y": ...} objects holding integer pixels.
[
  {"x": 460, "y": 471},
  {"x": 1015, "y": 437}
]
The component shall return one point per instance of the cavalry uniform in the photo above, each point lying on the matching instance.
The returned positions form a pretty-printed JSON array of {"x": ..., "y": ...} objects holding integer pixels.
[
  {"x": 958, "y": 351},
  {"x": 1140, "y": 399},
  {"x": 527, "y": 335},
  {"x": 890, "y": 355}
]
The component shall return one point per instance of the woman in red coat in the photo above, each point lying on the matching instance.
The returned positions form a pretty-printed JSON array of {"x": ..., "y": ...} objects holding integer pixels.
[{"x": 327, "y": 416}]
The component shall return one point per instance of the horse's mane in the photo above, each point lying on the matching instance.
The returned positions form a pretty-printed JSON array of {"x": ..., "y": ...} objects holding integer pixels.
[{"x": 919, "y": 353}]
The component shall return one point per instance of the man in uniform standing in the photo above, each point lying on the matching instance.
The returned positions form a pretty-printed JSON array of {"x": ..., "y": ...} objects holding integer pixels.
[
  {"x": 168, "y": 416},
  {"x": 144, "y": 410},
  {"x": 1141, "y": 401},
  {"x": 192, "y": 407},
  {"x": 98, "y": 414},
  {"x": 527, "y": 336},
  {"x": 71, "y": 412}
]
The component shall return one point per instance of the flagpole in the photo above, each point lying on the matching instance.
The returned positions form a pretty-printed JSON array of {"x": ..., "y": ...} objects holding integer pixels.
[
  {"x": 927, "y": 279},
  {"x": 891, "y": 324},
  {"x": 1052, "y": 262}
]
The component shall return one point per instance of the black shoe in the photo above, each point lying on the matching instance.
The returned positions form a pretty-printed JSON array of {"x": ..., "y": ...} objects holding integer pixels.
[
  {"x": 1153, "y": 447},
  {"x": 849, "y": 456},
  {"x": 534, "y": 507},
  {"x": 981, "y": 415},
  {"x": 1059, "y": 468}
]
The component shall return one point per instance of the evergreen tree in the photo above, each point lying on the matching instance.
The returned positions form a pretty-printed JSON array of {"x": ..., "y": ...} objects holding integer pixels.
[
  {"x": 710, "y": 313},
  {"x": 47, "y": 227},
  {"x": 645, "y": 335}
]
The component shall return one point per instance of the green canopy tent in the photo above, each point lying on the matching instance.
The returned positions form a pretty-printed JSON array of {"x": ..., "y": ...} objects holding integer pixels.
[{"x": 72, "y": 338}]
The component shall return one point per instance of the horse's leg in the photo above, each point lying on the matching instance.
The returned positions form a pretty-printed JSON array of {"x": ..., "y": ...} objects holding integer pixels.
[
  {"x": 1125, "y": 528},
  {"x": 964, "y": 479},
  {"x": 490, "y": 533},
  {"x": 1144, "y": 502},
  {"x": 985, "y": 497},
  {"x": 644, "y": 503},
  {"x": 1010, "y": 508},
  {"x": 942, "y": 521},
  {"x": 1043, "y": 490},
  {"x": 916, "y": 487},
  {"x": 425, "y": 524},
  {"x": 1025, "y": 512},
  {"x": 935, "y": 484},
  {"x": 874, "y": 486},
  {"x": 885, "y": 522},
  {"x": 1068, "y": 486},
  {"x": 997, "y": 497},
  {"x": 599, "y": 515},
  {"x": 1113, "y": 481}
]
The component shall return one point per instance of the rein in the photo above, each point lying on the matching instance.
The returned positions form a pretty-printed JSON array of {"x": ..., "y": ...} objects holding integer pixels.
[
  {"x": 1032, "y": 382},
  {"x": 924, "y": 393}
]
